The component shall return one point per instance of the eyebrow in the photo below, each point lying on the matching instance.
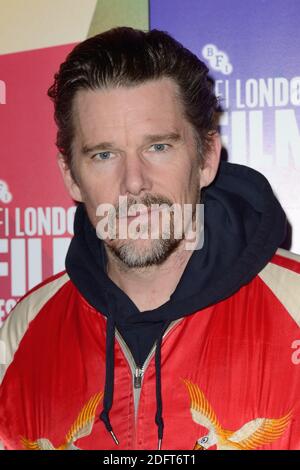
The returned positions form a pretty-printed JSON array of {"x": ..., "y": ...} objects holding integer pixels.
[
  {"x": 170, "y": 137},
  {"x": 101, "y": 146}
]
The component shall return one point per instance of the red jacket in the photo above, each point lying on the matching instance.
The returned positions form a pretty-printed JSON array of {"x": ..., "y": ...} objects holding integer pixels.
[{"x": 230, "y": 372}]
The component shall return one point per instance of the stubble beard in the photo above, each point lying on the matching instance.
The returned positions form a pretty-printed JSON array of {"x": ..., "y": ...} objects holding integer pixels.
[{"x": 137, "y": 254}]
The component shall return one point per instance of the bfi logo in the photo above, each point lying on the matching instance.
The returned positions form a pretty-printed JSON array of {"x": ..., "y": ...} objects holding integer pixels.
[
  {"x": 218, "y": 60},
  {"x": 5, "y": 194},
  {"x": 2, "y": 92}
]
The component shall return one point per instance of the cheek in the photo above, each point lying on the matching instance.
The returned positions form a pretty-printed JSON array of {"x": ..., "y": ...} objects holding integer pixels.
[
  {"x": 192, "y": 182},
  {"x": 195, "y": 180},
  {"x": 91, "y": 198},
  {"x": 92, "y": 187},
  {"x": 181, "y": 185},
  {"x": 96, "y": 191}
]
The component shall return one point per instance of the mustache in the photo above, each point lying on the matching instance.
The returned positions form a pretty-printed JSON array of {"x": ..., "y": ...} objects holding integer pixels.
[{"x": 148, "y": 200}]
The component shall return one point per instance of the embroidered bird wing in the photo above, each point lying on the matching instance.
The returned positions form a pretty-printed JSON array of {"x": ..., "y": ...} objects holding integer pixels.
[
  {"x": 45, "y": 444},
  {"x": 29, "y": 445},
  {"x": 83, "y": 424},
  {"x": 201, "y": 410},
  {"x": 260, "y": 431},
  {"x": 39, "y": 444}
]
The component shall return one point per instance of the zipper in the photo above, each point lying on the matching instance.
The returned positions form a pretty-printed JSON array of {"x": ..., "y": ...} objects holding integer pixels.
[
  {"x": 136, "y": 371},
  {"x": 138, "y": 376}
]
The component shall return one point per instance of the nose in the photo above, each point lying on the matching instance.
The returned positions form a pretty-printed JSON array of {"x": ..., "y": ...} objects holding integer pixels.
[{"x": 135, "y": 177}]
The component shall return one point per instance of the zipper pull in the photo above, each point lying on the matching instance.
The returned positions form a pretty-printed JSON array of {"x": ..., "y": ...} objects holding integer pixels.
[{"x": 138, "y": 378}]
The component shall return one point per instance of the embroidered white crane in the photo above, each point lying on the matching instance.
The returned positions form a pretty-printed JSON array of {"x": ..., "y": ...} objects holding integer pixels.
[
  {"x": 250, "y": 436},
  {"x": 82, "y": 426}
]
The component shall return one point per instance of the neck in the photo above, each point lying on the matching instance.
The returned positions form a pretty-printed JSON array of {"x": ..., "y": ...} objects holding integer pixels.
[{"x": 152, "y": 286}]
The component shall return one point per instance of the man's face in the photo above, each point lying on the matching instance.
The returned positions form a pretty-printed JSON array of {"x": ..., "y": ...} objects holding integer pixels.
[{"x": 134, "y": 142}]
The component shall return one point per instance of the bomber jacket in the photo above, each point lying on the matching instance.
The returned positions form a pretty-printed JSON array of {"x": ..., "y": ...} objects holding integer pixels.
[{"x": 216, "y": 367}]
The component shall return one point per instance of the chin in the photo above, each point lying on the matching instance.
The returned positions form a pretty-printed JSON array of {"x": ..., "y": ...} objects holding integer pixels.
[{"x": 142, "y": 253}]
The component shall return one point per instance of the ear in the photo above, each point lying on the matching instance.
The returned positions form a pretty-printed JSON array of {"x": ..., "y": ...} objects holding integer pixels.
[
  {"x": 70, "y": 184},
  {"x": 209, "y": 170}
]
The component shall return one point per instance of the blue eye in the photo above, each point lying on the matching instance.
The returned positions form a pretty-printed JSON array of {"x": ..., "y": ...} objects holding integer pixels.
[
  {"x": 102, "y": 155},
  {"x": 159, "y": 147}
]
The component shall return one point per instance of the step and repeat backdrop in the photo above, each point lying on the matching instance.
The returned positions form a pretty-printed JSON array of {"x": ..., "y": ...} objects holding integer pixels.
[
  {"x": 252, "y": 52},
  {"x": 36, "y": 213}
]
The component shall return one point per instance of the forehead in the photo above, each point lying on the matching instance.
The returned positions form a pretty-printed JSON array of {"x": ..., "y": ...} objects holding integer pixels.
[{"x": 151, "y": 107}]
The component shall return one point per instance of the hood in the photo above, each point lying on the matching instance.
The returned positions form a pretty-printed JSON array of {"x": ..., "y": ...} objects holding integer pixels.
[{"x": 244, "y": 224}]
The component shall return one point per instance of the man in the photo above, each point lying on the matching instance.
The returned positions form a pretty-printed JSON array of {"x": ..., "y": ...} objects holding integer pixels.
[{"x": 144, "y": 343}]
